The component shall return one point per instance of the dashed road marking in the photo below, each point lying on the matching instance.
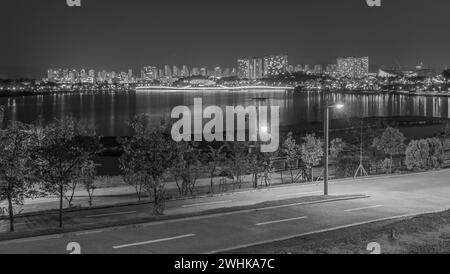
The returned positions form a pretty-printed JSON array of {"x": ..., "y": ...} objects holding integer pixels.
[
  {"x": 111, "y": 214},
  {"x": 282, "y": 221},
  {"x": 154, "y": 241},
  {"x": 362, "y": 208}
]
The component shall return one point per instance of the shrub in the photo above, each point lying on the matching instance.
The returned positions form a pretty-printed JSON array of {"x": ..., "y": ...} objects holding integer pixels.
[
  {"x": 425, "y": 154},
  {"x": 417, "y": 155},
  {"x": 436, "y": 157},
  {"x": 391, "y": 142}
]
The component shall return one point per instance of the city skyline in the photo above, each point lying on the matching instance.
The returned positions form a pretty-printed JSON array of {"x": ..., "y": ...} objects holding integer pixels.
[
  {"x": 251, "y": 68},
  {"x": 401, "y": 33}
]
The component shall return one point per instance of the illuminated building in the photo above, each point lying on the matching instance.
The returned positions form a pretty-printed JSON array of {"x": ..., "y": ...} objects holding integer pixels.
[
  {"x": 243, "y": 68},
  {"x": 256, "y": 68},
  {"x": 290, "y": 69},
  {"x": 203, "y": 72},
  {"x": 353, "y": 67},
  {"x": 167, "y": 71},
  {"x": 275, "y": 65},
  {"x": 176, "y": 71},
  {"x": 217, "y": 72},
  {"x": 195, "y": 72},
  {"x": 317, "y": 69},
  {"x": 150, "y": 73},
  {"x": 185, "y": 71}
]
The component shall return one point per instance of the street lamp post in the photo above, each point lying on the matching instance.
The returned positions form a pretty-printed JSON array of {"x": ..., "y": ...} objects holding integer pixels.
[
  {"x": 326, "y": 132},
  {"x": 327, "y": 140}
]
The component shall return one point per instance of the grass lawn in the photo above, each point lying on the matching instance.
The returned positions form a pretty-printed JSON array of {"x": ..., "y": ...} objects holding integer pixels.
[{"x": 426, "y": 234}]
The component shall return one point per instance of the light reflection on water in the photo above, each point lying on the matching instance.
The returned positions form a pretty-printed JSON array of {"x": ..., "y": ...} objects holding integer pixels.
[{"x": 110, "y": 111}]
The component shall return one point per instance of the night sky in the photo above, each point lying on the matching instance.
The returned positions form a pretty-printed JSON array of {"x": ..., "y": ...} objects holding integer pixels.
[{"x": 121, "y": 34}]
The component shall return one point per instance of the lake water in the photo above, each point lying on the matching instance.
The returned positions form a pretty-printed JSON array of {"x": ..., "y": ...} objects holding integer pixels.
[{"x": 110, "y": 111}]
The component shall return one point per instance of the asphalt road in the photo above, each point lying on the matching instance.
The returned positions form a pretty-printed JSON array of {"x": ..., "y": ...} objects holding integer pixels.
[{"x": 389, "y": 197}]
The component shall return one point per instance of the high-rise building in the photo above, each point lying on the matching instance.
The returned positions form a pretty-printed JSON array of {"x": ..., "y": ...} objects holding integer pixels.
[
  {"x": 185, "y": 71},
  {"x": 307, "y": 69},
  {"x": 50, "y": 75},
  {"x": 83, "y": 75},
  {"x": 331, "y": 69},
  {"x": 227, "y": 72},
  {"x": 176, "y": 71},
  {"x": 217, "y": 72},
  {"x": 243, "y": 68},
  {"x": 317, "y": 69},
  {"x": 203, "y": 72},
  {"x": 234, "y": 72},
  {"x": 195, "y": 72},
  {"x": 275, "y": 65},
  {"x": 256, "y": 68},
  {"x": 149, "y": 73},
  {"x": 298, "y": 68},
  {"x": 290, "y": 69},
  {"x": 167, "y": 71},
  {"x": 353, "y": 67}
]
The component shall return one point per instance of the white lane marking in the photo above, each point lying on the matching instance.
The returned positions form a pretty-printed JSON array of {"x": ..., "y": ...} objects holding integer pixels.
[
  {"x": 203, "y": 204},
  {"x": 298, "y": 194},
  {"x": 154, "y": 241},
  {"x": 282, "y": 221},
  {"x": 362, "y": 208},
  {"x": 111, "y": 214},
  {"x": 89, "y": 232}
]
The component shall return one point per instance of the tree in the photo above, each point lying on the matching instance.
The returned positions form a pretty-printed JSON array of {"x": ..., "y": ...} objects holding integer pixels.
[
  {"x": 311, "y": 151},
  {"x": 2, "y": 115},
  {"x": 65, "y": 146},
  {"x": 238, "y": 161},
  {"x": 337, "y": 146},
  {"x": 255, "y": 165},
  {"x": 437, "y": 155},
  {"x": 186, "y": 167},
  {"x": 16, "y": 165},
  {"x": 131, "y": 174},
  {"x": 417, "y": 155},
  {"x": 87, "y": 178},
  {"x": 391, "y": 142},
  {"x": 291, "y": 151},
  {"x": 213, "y": 160},
  {"x": 148, "y": 156}
]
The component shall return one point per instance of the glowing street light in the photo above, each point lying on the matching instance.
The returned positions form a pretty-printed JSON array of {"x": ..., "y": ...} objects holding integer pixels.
[{"x": 264, "y": 129}]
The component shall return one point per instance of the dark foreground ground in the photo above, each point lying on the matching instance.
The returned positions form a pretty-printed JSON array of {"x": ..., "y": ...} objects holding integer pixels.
[{"x": 425, "y": 234}]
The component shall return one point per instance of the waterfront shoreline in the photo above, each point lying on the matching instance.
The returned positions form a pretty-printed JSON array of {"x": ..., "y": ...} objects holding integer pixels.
[
  {"x": 201, "y": 89},
  {"x": 163, "y": 89}
]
